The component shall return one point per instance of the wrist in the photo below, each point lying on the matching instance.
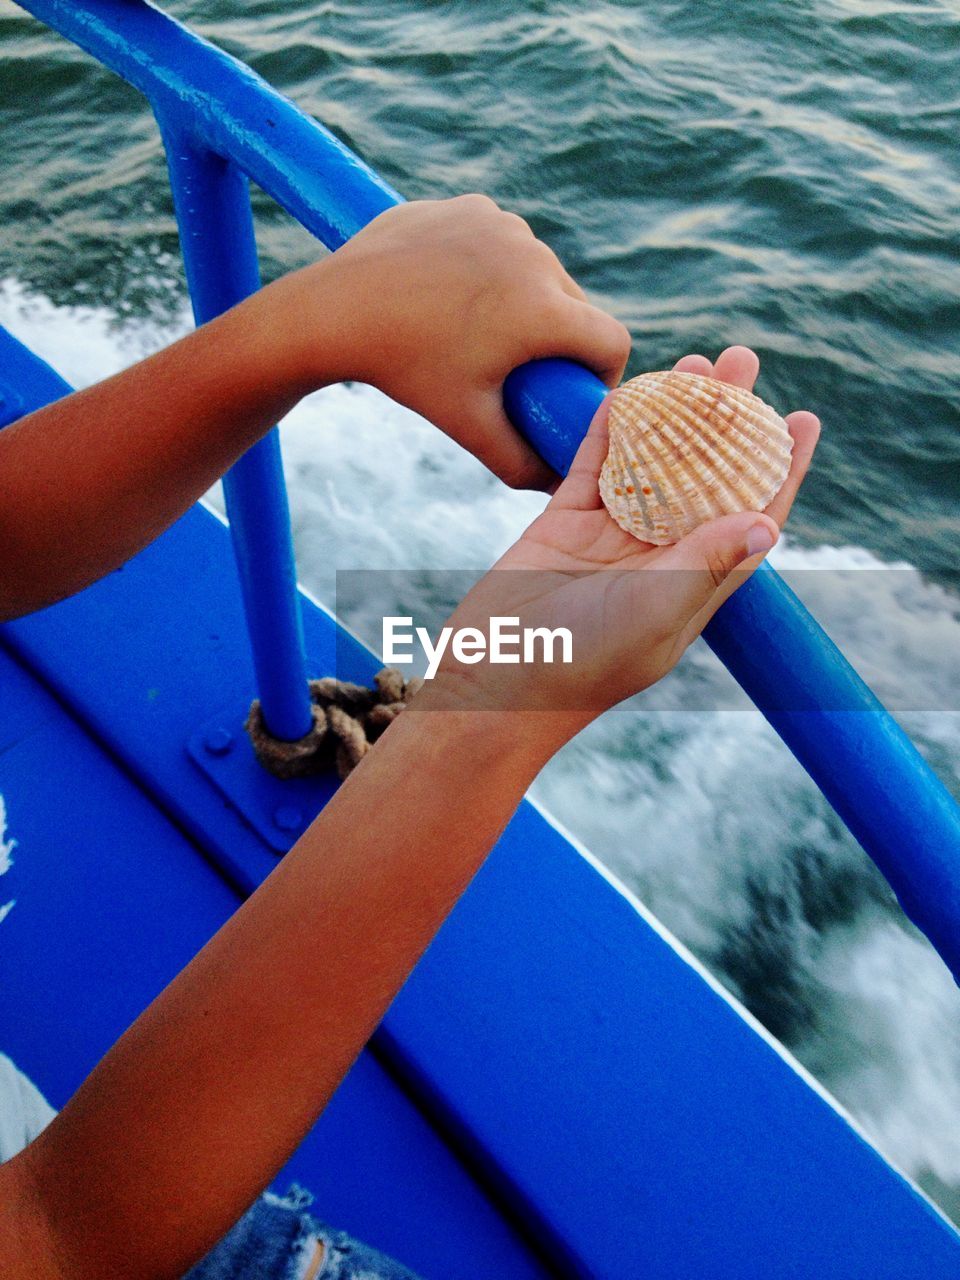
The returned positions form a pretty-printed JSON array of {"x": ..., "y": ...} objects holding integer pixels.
[
  {"x": 464, "y": 707},
  {"x": 320, "y": 323},
  {"x": 302, "y": 326}
]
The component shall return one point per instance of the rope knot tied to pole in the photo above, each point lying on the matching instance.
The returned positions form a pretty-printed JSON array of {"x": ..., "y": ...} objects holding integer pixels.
[{"x": 347, "y": 721}]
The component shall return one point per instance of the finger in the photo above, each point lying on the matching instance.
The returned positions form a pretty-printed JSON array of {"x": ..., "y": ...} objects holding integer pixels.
[
  {"x": 805, "y": 430},
  {"x": 579, "y": 490},
  {"x": 738, "y": 366},
  {"x": 586, "y": 334},
  {"x": 501, "y": 448},
  {"x": 710, "y": 563},
  {"x": 695, "y": 364}
]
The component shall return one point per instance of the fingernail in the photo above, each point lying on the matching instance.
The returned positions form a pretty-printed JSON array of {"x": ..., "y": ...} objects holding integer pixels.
[{"x": 759, "y": 540}]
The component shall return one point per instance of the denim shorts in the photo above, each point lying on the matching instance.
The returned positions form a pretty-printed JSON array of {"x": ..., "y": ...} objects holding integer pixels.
[{"x": 276, "y": 1239}]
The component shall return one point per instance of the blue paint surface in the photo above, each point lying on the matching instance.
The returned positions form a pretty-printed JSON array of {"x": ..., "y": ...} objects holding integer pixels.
[{"x": 111, "y": 902}]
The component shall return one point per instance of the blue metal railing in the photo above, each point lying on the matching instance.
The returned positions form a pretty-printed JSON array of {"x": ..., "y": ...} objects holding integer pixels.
[
  {"x": 220, "y": 122},
  {"x": 212, "y": 202}
]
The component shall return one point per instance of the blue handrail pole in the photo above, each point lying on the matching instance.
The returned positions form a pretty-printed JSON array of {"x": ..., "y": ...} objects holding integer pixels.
[
  {"x": 231, "y": 110},
  {"x": 212, "y": 202},
  {"x": 853, "y": 749}
]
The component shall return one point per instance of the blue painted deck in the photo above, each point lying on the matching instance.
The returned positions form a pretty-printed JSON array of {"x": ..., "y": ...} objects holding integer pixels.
[
  {"x": 554, "y": 1071},
  {"x": 112, "y": 899}
]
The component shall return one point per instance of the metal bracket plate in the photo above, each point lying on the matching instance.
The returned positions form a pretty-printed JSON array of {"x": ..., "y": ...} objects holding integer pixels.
[{"x": 279, "y": 810}]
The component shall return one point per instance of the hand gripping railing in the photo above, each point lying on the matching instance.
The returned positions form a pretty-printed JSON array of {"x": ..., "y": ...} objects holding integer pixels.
[{"x": 221, "y": 122}]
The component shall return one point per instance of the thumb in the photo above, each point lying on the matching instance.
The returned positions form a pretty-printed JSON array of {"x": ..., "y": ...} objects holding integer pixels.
[
  {"x": 579, "y": 491},
  {"x": 716, "y": 558}
]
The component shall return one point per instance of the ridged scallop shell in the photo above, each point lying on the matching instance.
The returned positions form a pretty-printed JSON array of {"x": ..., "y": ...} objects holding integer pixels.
[{"x": 685, "y": 449}]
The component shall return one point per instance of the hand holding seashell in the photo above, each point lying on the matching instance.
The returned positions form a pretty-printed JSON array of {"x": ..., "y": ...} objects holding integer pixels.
[{"x": 631, "y": 605}]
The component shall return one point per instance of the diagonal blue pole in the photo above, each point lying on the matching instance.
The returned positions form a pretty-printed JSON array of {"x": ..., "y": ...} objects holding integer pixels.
[{"x": 851, "y": 746}]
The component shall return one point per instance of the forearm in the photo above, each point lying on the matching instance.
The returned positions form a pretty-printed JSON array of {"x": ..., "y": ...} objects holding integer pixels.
[
  {"x": 207, "y": 1095},
  {"x": 87, "y": 481}
]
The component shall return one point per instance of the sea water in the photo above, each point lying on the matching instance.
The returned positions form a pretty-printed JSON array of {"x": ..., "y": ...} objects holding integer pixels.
[{"x": 781, "y": 174}]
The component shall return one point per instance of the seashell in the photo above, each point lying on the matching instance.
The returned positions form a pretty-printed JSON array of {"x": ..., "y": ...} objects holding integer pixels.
[{"x": 685, "y": 449}]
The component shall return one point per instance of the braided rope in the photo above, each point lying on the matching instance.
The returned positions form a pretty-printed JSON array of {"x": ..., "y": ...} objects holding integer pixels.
[{"x": 347, "y": 721}]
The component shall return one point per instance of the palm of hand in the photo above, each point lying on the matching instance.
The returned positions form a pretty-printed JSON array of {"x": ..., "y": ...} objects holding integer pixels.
[{"x": 580, "y": 571}]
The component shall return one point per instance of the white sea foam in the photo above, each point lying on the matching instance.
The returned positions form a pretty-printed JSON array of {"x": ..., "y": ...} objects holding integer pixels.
[
  {"x": 83, "y": 343},
  {"x": 896, "y": 1007},
  {"x": 7, "y": 846},
  {"x": 706, "y": 816}
]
